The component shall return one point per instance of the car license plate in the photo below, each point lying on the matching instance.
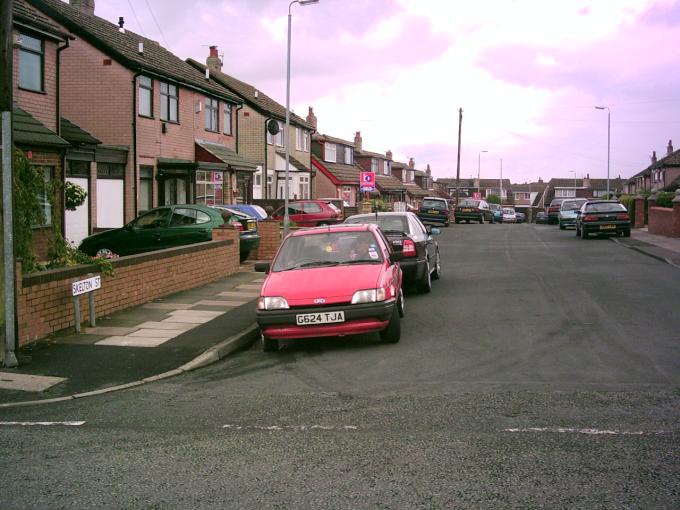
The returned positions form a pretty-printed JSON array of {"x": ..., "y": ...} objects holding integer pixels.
[
  {"x": 467, "y": 210},
  {"x": 433, "y": 211},
  {"x": 303, "y": 319},
  {"x": 607, "y": 227}
]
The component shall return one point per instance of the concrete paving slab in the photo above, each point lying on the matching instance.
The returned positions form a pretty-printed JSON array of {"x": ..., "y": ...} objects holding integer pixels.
[
  {"x": 109, "y": 330},
  {"x": 174, "y": 326},
  {"x": 155, "y": 333},
  {"x": 243, "y": 294},
  {"x": 209, "y": 302},
  {"x": 77, "y": 339},
  {"x": 131, "y": 341},
  {"x": 194, "y": 313},
  {"x": 167, "y": 306},
  {"x": 188, "y": 320},
  {"x": 249, "y": 286},
  {"x": 25, "y": 382}
]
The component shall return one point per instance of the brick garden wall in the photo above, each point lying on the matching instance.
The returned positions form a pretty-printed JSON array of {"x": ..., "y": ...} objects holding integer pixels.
[
  {"x": 44, "y": 303},
  {"x": 270, "y": 240},
  {"x": 660, "y": 221}
]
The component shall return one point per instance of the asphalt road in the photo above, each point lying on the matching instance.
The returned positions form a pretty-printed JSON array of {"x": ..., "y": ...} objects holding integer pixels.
[{"x": 541, "y": 371}]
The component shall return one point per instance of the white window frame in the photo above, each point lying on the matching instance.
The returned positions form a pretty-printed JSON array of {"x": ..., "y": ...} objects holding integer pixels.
[
  {"x": 145, "y": 89},
  {"x": 349, "y": 156},
  {"x": 330, "y": 152},
  {"x": 565, "y": 193},
  {"x": 170, "y": 98},
  {"x": 301, "y": 140},
  {"x": 227, "y": 119},
  {"x": 212, "y": 110},
  {"x": 304, "y": 186},
  {"x": 374, "y": 165}
]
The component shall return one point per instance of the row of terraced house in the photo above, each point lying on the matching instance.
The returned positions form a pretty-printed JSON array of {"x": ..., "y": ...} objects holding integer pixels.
[{"x": 138, "y": 127}]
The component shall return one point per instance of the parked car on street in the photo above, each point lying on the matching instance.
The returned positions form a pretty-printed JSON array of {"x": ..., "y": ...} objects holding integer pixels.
[
  {"x": 434, "y": 211},
  {"x": 497, "y": 212},
  {"x": 156, "y": 229},
  {"x": 473, "y": 209},
  {"x": 252, "y": 209},
  {"x": 602, "y": 217},
  {"x": 412, "y": 242},
  {"x": 331, "y": 281},
  {"x": 542, "y": 217},
  {"x": 554, "y": 210},
  {"x": 520, "y": 217},
  {"x": 310, "y": 213},
  {"x": 509, "y": 215},
  {"x": 566, "y": 217},
  {"x": 249, "y": 238}
]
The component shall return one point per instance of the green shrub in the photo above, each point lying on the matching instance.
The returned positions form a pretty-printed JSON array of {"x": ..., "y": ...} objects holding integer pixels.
[
  {"x": 493, "y": 199},
  {"x": 665, "y": 199},
  {"x": 629, "y": 202}
]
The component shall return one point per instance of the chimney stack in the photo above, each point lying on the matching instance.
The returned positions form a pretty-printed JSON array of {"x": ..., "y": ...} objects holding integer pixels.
[
  {"x": 311, "y": 118},
  {"x": 357, "y": 140},
  {"x": 411, "y": 163},
  {"x": 653, "y": 157},
  {"x": 669, "y": 149},
  {"x": 121, "y": 23},
  {"x": 428, "y": 171},
  {"x": 388, "y": 155},
  {"x": 86, "y": 6},
  {"x": 213, "y": 61}
]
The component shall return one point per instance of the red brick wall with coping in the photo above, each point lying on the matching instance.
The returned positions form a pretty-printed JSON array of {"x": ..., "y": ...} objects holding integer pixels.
[{"x": 45, "y": 305}]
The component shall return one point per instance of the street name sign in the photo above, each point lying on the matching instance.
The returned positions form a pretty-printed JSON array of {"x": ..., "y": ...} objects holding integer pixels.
[{"x": 84, "y": 286}]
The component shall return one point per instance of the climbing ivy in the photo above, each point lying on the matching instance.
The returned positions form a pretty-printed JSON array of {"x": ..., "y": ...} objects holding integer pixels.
[{"x": 29, "y": 186}]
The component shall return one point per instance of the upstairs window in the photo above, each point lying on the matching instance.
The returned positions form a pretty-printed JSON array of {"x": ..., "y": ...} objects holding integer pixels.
[
  {"x": 276, "y": 139},
  {"x": 169, "y": 101},
  {"x": 374, "y": 165},
  {"x": 211, "y": 112},
  {"x": 227, "y": 119},
  {"x": 349, "y": 156},
  {"x": 330, "y": 150},
  {"x": 31, "y": 61},
  {"x": 302, "y": 140},
  {"x": 145, "y": 96},
  {"x": 565, "y": 193}
]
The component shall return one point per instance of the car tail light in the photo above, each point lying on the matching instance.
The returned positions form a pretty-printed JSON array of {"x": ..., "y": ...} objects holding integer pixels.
[
  {"x": 237, "y": 225},
  {"x": 623, "y": 217},
  {"x": 590, "y": 217},
  {"x": 409, "y": 248}
]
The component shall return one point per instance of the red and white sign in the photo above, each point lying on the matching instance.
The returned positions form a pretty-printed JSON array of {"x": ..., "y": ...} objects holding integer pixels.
[
  {"x": 477, "y": 195},
  {"x": 367, "y": 181}
]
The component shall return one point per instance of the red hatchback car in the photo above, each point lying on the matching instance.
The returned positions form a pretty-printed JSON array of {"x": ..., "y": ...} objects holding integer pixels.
[
  {"x": 331, "y": 281},
  {"x": 310, "y": 213}
]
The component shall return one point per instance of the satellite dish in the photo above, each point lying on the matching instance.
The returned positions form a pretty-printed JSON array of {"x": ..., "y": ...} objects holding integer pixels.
[{"x": 273, "y": 127}]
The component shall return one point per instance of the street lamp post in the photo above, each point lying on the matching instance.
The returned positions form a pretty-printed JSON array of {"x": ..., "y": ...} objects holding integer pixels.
[
  {"x": 609, "y": 125},
  {"x": 286, "y": 134},
  {"x": 479, "y": 170}
]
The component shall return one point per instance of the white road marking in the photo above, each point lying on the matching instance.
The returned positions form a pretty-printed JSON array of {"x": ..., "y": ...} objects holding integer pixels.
[
  {"x": 587, "y": 431},
  {"x": 42, "y": 423},
  {"x": 295, "y": 428}
]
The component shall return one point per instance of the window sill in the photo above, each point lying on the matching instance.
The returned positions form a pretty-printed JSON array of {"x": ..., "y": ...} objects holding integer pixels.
[
  {"x": 145, "y": 116},
  {"x": 212, "y": 131},
  {"x": 33, "y": 91},
  {"x": 176, "y": 122}
]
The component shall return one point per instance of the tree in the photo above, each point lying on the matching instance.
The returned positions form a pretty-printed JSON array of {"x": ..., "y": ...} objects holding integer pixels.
[{"x": 493, "y": 199}]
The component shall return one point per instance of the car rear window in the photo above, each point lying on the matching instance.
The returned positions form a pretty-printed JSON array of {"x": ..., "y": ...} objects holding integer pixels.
[
  {"x": 605, "y": 207},
  {"x": 435, "y": 204},
  {"x": 387, "y": 223},
  {"x": 469, "y": 203}
]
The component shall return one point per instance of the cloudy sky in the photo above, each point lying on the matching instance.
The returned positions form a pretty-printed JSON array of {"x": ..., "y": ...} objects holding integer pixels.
[{"x": 527, "y": 74}]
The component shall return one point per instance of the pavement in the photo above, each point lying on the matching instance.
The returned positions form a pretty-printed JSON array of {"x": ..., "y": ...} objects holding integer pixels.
[
  {"x": 172, "y": 335},
  {"x": 665, "y": 249},
  {"x": 159, "y": 339}
]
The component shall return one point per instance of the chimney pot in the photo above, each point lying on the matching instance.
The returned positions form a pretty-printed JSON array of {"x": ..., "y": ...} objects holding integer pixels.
[
  {"x": 311, "y": 118},
  {"x": 411, "y": 163},
  {"x": 669, "y": 149},
  {"x": 653, "y": 157},
  {"x": 140, "y": 48},
  {"x": 213, "y": 61},
  {"x": 357, "y": 140},
  {"x": 388, "y": 155}
]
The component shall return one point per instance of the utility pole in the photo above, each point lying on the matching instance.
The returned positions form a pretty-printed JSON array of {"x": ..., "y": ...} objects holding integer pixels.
[
  {"x": 8, "y": 277},
  {"x": 500, "y": 183},
  {"x": 460, "y": 126}
]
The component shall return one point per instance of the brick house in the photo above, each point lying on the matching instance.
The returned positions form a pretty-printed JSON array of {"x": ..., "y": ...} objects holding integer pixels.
[
  {"x": 661, "y": 175},
  {"x": 154, "y": 114},
  {"x": 256, "y": 144},
  {"x": 581, "y": 188},
  {"x": 36, "y": 126},
  {"x": 337, "y": 176},
  {"x": 406, "y": 173},
  {"x": 528, "y": 196},
  {"x": 390, "y": 189}
]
